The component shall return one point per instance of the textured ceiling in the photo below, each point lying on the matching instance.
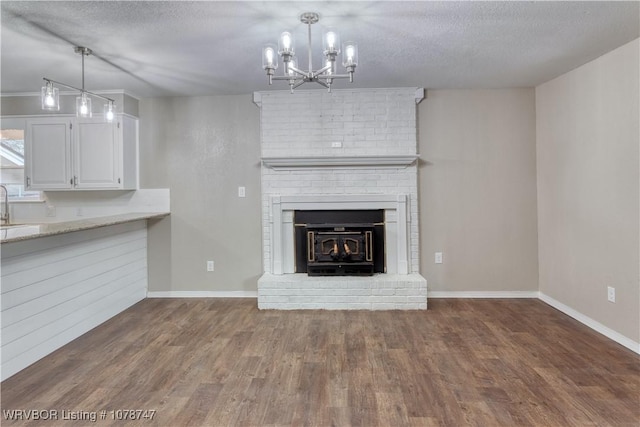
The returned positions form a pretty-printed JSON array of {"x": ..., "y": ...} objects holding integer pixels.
[{"x": 204, "y": 48}]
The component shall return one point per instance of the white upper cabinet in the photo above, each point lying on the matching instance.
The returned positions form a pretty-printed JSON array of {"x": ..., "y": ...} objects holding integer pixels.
[
  {"x": 96, "y": 151},
  {"x": 81, "y": 154},
  {"x": 48, "y": 154}
]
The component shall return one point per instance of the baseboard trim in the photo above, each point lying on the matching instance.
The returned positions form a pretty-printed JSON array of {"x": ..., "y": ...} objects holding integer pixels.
[
  {"x": 202, "y": 294},
  {"x": 482, "y": 294},
  {"x": 593, "y": 324}
]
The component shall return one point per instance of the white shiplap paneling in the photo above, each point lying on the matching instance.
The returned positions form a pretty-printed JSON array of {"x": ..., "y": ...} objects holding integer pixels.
[{"x": 55, "y": 289}]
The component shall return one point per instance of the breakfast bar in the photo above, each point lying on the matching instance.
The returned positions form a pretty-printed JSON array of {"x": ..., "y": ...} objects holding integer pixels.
[{"x": 60, "y": 280}]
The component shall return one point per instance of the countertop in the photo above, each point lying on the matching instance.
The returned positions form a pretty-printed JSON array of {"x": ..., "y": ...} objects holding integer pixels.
[{"x": 31, "y": 231}]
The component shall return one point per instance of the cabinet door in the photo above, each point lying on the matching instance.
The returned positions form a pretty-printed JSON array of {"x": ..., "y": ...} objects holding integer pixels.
[
  {"x": 97, "y": 157},
  {"x": 48, "y": 154}
]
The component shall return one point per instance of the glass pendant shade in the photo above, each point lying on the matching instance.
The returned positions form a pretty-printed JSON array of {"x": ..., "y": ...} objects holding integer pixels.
[
  {"x": 331, "y": 42},
  {"x": 50, "y": 98},
  {"x": 269, "y": 57},
  {"x": 289, "y": 71},
  {"x": 350, "y": 54},
  {"x": 285, "y": 44},
  {"x": 109, "y": 112},
  {"x": 83, "y": 106}
]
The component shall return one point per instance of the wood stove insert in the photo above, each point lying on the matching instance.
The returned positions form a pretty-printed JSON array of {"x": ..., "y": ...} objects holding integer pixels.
[{"x": 340, "y": 243}]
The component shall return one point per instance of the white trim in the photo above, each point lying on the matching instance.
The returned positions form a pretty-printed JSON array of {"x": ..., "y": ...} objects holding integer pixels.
[
  {"x": 596, "y": 326},
  {"x": 378, "y": 162},
  {"x": 396, "y": 232},
  {"x": 202, "y": 294},
  {"x": 482, "y": 294}
]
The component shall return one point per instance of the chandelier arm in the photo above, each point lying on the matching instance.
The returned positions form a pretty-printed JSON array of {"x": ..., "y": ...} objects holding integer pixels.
[
  {"x": 302, "y": 73},
  {"x": 320, "y": 71},
  {"x": 282, "y": 78},
  {"x": 300, "y": 83},
  {"x": 336, "y": 76},
  {"x": 321, "y": 83},
  {"x": 78, "y": 89}
]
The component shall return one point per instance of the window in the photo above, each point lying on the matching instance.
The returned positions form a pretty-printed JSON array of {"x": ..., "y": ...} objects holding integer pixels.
[{"x": 12, "y": 165}]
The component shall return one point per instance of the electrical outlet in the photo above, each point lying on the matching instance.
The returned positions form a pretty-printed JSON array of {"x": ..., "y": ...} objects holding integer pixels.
[
  {"x": 611, "y": 294},
  {"x": 79, "y": 211},
  {"x": 51, "y": 210},
  {"x": 438, "y": 258},
  {"x": 210, "y": 265},
  {"x": 336, "y": 144},
  {"x": 241, "y": 192}
]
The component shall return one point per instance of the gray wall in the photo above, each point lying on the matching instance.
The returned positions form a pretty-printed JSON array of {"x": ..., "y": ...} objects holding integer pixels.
[
  {"x": 588, "y": 189},
  {"x": 477, "y": 186},
  {"x": 477, "y": 189},
  {"x": 203, "y": 148}
]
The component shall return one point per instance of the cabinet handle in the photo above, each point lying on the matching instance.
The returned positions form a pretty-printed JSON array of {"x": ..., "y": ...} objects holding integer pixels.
[
  {"x": 28, "y": 182},
  {"x": 75, "y": 181},
  {"x": 118, "y": 180}
]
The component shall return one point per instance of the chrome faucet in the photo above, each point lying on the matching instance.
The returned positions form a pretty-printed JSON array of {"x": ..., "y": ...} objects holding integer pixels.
[{"x": 4, "y": 217}]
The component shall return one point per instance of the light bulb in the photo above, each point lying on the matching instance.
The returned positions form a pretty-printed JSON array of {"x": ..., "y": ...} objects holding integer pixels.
[
  {"x": 269, "y": 58},
  {"x": 83, "y": 106},
  {"x": 350, "y": 53},
  {"x": 50, "y": 97},
  {"x": 331, "y": 42},
  {"x": 269, "y": 53},
  {"x": 331, "y": 39},
  {"x": 285, "y": 44},
  {"x": 286, "y": 41},
  {"x": 109, "y": 114}
]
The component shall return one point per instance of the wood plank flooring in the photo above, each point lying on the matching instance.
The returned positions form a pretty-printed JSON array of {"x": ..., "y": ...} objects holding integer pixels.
[{"x": 222, "y": 362}]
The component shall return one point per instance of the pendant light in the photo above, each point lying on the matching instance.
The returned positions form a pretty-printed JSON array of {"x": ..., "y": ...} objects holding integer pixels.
[{"x": 50, "y": 94}]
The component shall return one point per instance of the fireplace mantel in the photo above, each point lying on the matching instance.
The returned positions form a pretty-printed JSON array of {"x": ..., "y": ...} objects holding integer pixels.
[{"x": 378, "y": 161}]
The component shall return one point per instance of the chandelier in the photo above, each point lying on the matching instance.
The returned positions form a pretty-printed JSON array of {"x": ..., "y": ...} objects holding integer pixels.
[
  {"x": 50, "y": 94},
  {"x": 323, "y": 76}
]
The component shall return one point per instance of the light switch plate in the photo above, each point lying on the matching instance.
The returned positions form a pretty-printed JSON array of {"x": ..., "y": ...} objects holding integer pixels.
[
  {"x": 438, "y": 258},
  {"x": 241, "y": 192}
]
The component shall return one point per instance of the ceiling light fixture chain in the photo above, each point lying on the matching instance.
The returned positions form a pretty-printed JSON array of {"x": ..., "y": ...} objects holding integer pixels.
[
  {"x": 51, "y": 94},
  {"x": 325, "y": 75}
]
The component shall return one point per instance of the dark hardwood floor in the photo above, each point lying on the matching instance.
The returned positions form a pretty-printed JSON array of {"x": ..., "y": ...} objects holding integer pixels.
[{"x": 222, "y": 362}]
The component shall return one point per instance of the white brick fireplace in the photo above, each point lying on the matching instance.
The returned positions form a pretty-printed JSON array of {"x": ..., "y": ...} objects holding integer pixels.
[{"x": 344, "y": 150}]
